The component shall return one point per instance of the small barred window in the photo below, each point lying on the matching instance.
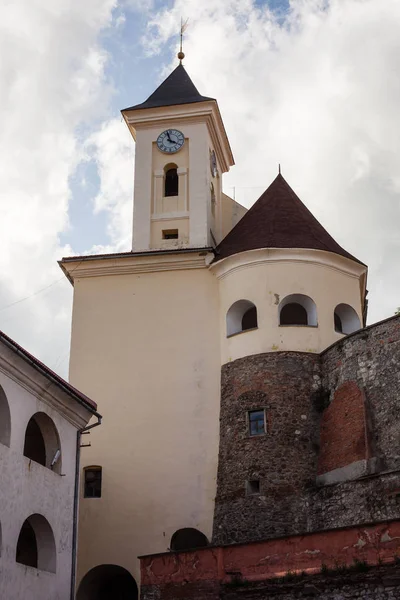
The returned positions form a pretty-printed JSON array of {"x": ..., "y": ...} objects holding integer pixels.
[
  {"x": 256, "y": 422},
  {"x": 92, "y": 482}
]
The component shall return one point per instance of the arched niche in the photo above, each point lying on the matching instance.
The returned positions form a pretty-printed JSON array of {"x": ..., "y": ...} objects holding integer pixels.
[
  {"x": 5, "y": 419},
  {"x": 241, "y": 316},
  {"x": 36, "y": 545},
  {"x": 298, "y": 309},
  {"x": 106, "y": 582},
  {"x": 188, "y": 539},
  {"x": 171, "y": 180},
  {"x": 42, "y": 442},
  {"x": 346, "y": 319}
]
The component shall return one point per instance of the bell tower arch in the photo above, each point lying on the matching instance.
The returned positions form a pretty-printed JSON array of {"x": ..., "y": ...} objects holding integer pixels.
[{"x": 181, "y": 152}]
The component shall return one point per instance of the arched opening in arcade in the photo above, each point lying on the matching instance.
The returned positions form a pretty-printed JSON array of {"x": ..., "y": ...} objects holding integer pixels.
[
  {"x": 36, "y": 545},
  {"x": 106, "y": 582},
  {"x": 42, "y": 443},
  {"x": 188, "y": 539},
  {"x": 5, "y": 419}
]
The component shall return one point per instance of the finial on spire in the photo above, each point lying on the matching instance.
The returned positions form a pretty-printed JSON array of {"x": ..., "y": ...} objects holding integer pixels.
[
  {"x": 279, "y": 168},
  {"x": 181, "y": 54}
]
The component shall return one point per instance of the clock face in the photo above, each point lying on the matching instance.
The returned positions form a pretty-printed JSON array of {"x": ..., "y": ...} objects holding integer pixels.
[{"x": 170, "y": 141}]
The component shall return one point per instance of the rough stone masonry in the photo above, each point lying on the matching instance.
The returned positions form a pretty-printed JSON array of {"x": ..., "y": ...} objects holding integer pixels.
[{"x": 330, "y": 456}]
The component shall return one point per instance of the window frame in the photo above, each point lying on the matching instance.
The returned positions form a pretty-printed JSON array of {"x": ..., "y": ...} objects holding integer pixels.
[
  {"x": 170, "y": 234},
  {"x": 249, "y": 487},
  {"x": 95, "y": 469},
  {"x": 249, "y": 421}
]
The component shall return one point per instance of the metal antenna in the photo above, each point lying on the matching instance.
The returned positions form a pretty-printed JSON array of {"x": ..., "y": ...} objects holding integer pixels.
[{"x": 279, "y": 168}]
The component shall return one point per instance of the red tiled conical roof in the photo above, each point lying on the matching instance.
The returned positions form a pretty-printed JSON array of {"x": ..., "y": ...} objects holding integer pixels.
[{"x": 278, "y": 219}]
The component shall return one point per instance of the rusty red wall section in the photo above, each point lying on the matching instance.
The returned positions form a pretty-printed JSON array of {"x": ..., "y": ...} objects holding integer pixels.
[
  {"x": 261, "y": 560},
  {"x": 343, "y": 429}
]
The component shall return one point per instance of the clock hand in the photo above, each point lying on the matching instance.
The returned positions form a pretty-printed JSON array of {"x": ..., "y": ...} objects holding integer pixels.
[{"x": 169, "y": 138}]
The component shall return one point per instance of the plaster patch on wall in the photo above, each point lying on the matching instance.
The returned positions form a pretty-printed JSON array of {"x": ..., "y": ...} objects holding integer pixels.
[{"x": 385, "y": 537}]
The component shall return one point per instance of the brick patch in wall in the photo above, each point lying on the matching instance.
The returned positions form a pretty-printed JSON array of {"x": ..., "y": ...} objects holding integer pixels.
[{"x": 343, "y": 432}]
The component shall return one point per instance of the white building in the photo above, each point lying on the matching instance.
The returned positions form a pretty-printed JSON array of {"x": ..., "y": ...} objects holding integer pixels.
[{"x": 41, "y": 421}]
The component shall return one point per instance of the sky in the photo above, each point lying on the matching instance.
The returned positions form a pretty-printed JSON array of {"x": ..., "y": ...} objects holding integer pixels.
[{"x": 311, "y": 84}]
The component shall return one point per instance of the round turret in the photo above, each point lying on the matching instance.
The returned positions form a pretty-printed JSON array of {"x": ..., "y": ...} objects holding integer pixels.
[
  {"x": 285, "y": 284},
  {"x": 287, "y": 300}
]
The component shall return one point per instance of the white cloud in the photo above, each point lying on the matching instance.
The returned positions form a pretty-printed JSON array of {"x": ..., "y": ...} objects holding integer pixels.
[
  {"x": 320, "y": 95},
  {"x": 112, "y": 149},
  {"x": 51, "y": 81}
]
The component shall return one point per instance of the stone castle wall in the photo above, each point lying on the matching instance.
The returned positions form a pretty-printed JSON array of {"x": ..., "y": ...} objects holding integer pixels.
[
  {"x": 331, "y": 453},
  {"x": 371, "y": 359},
  {"x": 283, "y": 460}
]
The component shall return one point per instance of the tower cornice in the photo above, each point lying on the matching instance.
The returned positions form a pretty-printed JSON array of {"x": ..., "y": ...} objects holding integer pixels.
[{"x": 134, "y": 262}]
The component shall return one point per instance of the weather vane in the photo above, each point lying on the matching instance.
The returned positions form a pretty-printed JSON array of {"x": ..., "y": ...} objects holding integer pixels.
[{"x": 184, "y": 25}]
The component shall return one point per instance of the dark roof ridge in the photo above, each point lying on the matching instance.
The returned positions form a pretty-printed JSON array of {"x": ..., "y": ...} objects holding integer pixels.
[
  {"x": 177, "y": 88},
  {"x": 279, "y": 219}
]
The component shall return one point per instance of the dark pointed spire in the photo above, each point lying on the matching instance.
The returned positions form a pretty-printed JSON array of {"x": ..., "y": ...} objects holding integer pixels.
[
  {"x": 178, "y": 88},
  {"x": 278, "y": 219}
]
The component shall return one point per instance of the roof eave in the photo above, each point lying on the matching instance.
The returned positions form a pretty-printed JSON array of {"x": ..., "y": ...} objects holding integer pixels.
[
  {"x": 145, "y": 105},
  {"x": 86, "y": 402},
  {"x": 256, "y": 255}
]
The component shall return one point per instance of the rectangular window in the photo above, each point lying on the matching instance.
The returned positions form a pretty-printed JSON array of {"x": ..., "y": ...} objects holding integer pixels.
[
  {"x": 256, "y": 422},
  {"x": 252, "y": 487},
  {"x": 170, "y": 234},
  {"x": 92, "y": 482}
]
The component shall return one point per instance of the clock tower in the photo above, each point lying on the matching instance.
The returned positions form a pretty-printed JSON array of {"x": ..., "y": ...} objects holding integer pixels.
[
  {"x": 206, "y": 324},
  {"x": 145, "y": 343},
  {"x": 181, "y": 152}
]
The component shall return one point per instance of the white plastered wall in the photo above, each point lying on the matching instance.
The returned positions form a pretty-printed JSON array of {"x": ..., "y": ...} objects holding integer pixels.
[
  {"x": 231, "y": 212},
  {"x": 29, "y": 488},
  {"x": 266, "y": 277},
  {"x": 194, "y": 179},
  {"x": 146, "y": 345}
]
